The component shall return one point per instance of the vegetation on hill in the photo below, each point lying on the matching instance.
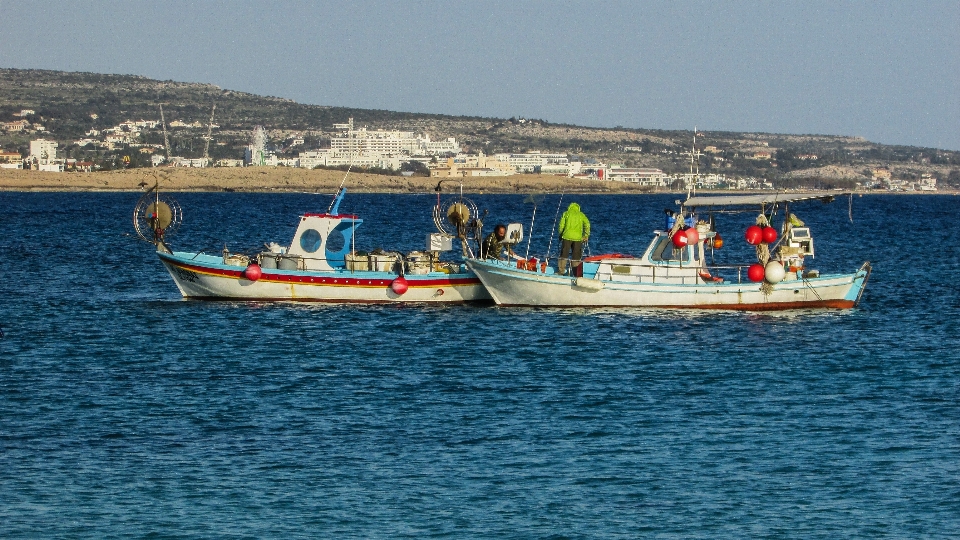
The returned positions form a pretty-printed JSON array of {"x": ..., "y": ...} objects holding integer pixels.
[{"x": 69, "y": 105}]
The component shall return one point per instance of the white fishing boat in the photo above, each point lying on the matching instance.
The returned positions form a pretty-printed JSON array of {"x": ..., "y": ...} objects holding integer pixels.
[
  {"x": 319, "y": 264},
  {"x": 673, "y": 271}
]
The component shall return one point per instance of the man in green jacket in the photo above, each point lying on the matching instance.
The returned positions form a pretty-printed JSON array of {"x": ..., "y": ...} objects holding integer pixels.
[{"x": 574, "y": 230}]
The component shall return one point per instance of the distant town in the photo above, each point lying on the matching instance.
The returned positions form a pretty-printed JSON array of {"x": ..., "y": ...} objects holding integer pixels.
[{"x": 392, "y": 151}]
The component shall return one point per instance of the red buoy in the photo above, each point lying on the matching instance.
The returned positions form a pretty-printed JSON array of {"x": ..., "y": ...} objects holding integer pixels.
[
  {"x": 756, "y": 272},
  {"x": 693, "y": 236},
  {"x": 754, "y": 235},
  {"x": 399, "y": 285},
  {"x": 253, "y": 272},
  {"x": 680, "y": 239},
  {"x": 769, "y": 235}
]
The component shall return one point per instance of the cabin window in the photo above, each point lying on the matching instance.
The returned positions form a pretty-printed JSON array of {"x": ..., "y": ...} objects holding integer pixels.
[
  {"x": 665, "y": 251},
  {"x": 310, "y": 240}
]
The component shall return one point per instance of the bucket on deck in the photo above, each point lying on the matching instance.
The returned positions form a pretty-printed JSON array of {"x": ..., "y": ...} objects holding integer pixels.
[
  {"x": 290, "y": 262},
  {"x": 268, "y": 261}
]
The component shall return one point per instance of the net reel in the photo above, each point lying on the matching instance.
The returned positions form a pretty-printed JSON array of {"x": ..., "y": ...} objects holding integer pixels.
[
  {"x": 156, "y": 217},
  {"x": 458, "y": 217}
]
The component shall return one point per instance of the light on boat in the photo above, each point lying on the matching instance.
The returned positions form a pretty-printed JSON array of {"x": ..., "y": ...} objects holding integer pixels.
[
  {"x": 253, "y": 272},
  {"x": 756, "y": 272},
  {"x": 774, "y": 272},
  {"x": 717, "y": 241},
  {"x": 769, "y": 235},
  {"x": 754, "y": 235},
  {"x": 399, "y": 285},
  {"x": 680, "y": 239}
]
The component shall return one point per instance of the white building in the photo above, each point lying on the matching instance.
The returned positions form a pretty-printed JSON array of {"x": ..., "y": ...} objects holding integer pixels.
[
  {"x": 645, "y": 176},
  {"x": 436, "y": 148},
  {"x": 43, "y": 151},
  {"x": 328, "y": 158},
  {"x": 531, "y": 162},
  {"x": 229, "y": 163},
  {"x": 51, "y": 167},
  {"x": 361, "y": 141}
]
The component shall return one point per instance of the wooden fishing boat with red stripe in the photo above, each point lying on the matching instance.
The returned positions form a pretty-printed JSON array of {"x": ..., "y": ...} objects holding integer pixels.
[{"x": 320, "y": 264}]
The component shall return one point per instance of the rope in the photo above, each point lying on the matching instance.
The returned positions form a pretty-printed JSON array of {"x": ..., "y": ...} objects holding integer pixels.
[
  {"x": 763, "y": 250},
  {"x": 350, "y": 166}
]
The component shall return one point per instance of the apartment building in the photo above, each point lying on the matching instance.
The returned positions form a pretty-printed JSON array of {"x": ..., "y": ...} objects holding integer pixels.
[
  {"x": 43, "y": 151},
  {"x": 11, "y": 160}
]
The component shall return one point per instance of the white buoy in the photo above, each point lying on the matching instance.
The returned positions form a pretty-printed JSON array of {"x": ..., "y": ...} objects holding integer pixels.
[{"x": 774, "y": 273}]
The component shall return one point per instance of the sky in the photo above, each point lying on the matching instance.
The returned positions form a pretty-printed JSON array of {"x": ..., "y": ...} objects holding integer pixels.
[{"x": 886, "y": 71}]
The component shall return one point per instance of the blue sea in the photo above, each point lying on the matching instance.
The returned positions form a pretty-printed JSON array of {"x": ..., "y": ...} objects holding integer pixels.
[{"x": 128, "y": 412}]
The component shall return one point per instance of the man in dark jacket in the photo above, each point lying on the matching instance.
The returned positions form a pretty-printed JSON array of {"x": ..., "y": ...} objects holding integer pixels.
[
  {"x": 574, "y": 231},
  {"x": 494, "y": 245}
]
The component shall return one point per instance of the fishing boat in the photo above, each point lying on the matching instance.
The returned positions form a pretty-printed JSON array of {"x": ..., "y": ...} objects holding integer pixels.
[
  {"x": 319, "y": 264},
  {"x": 673, "y": 272}
]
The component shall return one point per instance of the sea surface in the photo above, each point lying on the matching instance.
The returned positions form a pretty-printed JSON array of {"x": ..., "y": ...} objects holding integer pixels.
[{"x": 127, "y": 412}]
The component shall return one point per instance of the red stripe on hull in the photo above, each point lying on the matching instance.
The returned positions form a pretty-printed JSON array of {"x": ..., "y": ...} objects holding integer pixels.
[
  {"x": 324, "y": 280},
  {"x": 299, "y": 300}
]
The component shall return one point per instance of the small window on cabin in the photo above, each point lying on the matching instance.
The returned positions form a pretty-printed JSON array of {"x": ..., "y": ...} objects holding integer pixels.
[
  {"x": 310, "y": 240},
  {"x": 667, "y": 252},
  {"x": 336, "y": 241}
]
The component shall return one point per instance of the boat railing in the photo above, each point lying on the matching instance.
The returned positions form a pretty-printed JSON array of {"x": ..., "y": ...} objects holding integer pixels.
[{"x": 668, "y": 273}]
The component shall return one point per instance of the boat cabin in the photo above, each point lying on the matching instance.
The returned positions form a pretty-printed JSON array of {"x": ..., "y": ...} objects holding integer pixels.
[
  {"x": 322, "y": 241},
  {"x": 662, "y": 262}
]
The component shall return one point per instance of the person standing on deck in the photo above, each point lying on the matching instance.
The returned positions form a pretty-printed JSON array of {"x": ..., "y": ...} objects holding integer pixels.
[{"x": 574, "y": 231}]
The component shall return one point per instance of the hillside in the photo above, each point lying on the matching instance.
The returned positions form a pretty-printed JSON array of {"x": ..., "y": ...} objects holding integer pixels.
[{"x": 68, "y": 105}]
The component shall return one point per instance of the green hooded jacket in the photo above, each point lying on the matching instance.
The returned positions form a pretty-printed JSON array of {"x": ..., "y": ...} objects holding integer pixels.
[{"x": 574, "y": 224}]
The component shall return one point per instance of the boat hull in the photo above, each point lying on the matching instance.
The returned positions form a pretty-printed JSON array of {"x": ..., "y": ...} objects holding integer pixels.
[
  {"x": 510, "y": 286},
  {"x": 201, "y": 276}
]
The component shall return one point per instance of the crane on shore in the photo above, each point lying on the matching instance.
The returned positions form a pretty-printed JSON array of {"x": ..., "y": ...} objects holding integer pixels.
[
  {"x": 166, "y": 140},
  {"x": 206, "y": 148}
]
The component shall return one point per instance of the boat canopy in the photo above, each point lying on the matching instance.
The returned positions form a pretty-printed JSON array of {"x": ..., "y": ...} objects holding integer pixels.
[{"x": 755, "y": 200}]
